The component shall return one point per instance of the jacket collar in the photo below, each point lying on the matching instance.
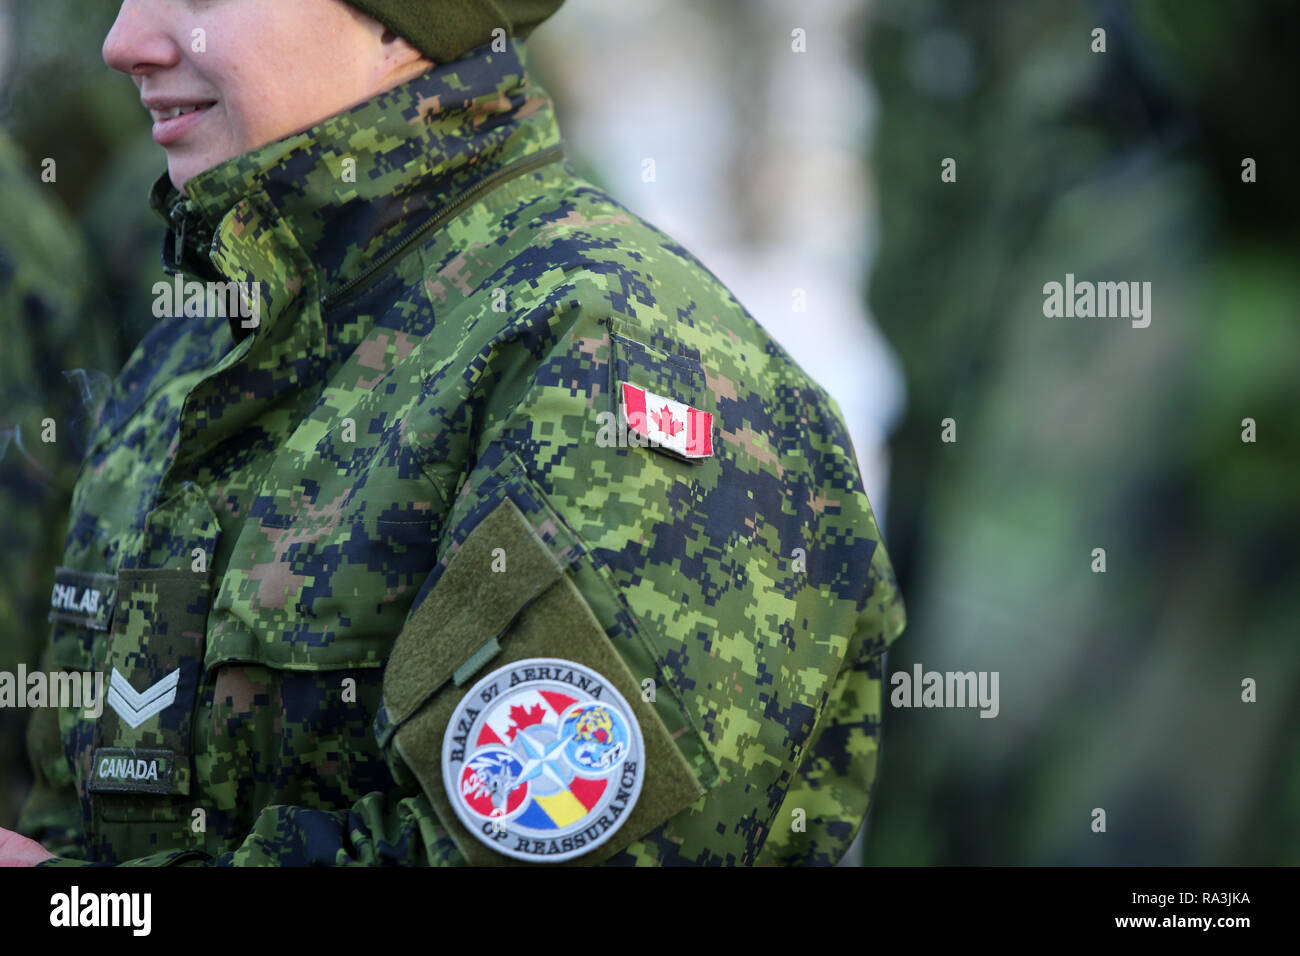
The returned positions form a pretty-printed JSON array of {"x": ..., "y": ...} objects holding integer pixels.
[{"x": 319, "y": 210}]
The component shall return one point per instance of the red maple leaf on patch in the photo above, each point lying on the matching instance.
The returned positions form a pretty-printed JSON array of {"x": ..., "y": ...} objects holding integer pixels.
[
  {"x": 522, "y": 717},
  {"x": 665, "y": 422}
]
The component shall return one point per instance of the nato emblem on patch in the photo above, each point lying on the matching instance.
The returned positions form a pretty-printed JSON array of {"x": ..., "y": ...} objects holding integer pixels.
[{"x": 543, "y": 759}]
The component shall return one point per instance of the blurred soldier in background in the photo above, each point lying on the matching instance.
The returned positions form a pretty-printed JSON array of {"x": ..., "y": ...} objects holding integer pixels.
[
  {"x": 48, "y": 387},
  {"x": 63, "y": 325}
]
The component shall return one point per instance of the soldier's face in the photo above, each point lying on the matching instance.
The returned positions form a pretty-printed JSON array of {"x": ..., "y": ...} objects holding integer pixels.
[{"x": 244, "y": 72}]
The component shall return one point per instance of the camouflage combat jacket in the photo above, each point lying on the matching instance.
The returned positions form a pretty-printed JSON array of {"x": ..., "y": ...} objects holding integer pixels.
[{"x": 300, "y": 536}]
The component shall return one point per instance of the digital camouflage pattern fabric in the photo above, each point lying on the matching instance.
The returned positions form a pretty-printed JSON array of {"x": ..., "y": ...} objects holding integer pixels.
[{"x": 318, "y": 526}]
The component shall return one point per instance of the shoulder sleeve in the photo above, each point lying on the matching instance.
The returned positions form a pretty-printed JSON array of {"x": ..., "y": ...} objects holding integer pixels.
[
  {"x": 516, "y": 580},
  {"x": 745, "y": 594}
]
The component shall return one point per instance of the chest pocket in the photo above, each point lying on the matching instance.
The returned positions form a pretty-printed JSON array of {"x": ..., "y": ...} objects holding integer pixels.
[
  {"x": 521, "y": 590},
  {"x": 324, "y": 568}
]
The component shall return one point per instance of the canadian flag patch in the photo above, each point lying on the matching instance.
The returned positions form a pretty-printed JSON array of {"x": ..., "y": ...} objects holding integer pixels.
[{"x": 667, "y": 424}]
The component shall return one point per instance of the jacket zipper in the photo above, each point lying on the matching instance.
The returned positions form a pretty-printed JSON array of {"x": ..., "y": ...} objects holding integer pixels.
[
  {"x": 178, "y": 220},
  {"x": 544, "y": 158},
  {"x": 184, "y": 222}
]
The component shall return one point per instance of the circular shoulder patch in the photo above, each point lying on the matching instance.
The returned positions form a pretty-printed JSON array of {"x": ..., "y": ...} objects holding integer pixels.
[{"x": 543, "y": 759}]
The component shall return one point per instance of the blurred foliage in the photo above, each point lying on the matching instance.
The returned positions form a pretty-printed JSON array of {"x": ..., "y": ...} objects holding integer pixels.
[
  {"x": 1119, "y": 690},
  {"x": 60, "y": 101}
]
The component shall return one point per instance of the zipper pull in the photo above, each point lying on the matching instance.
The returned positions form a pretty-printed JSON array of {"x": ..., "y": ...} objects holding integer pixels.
[{"x": 178, "y": 218}]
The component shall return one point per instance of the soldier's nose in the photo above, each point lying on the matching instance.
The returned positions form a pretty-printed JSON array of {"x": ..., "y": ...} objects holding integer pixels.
[{"x": 139, "y": 41}]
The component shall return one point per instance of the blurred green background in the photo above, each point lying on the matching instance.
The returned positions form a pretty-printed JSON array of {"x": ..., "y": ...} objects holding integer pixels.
[{"x": 1120, "y": 690}]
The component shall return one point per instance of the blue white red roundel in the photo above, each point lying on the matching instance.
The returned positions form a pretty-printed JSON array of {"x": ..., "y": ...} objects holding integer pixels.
[{"x": 543, "y": 759}]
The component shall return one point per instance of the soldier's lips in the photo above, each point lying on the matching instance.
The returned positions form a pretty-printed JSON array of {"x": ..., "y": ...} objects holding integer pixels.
[{"x": 172, "y": 128}]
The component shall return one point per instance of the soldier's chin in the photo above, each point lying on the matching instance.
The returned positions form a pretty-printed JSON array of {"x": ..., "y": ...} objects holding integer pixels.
[{"x": 182, "y": 166}]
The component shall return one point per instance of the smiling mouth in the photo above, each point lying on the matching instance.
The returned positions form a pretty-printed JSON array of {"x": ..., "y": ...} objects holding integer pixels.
[{"x": 169, "y": 114}]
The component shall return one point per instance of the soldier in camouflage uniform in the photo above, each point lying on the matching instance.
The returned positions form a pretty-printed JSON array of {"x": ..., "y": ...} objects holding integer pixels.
[{"x": 484, "y": 425}]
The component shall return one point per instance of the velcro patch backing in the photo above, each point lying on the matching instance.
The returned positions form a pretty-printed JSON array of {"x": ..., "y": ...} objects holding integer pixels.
[
  {"x": 471, "y": 605},
  {"x": 540, "y": 613}
]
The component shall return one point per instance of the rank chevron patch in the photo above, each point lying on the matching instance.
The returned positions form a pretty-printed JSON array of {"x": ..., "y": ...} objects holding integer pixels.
[{"x": 136, "y": 708}]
